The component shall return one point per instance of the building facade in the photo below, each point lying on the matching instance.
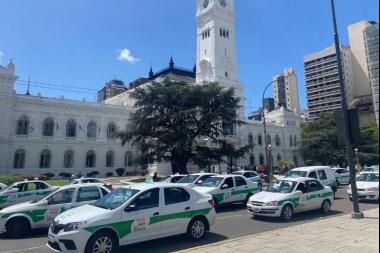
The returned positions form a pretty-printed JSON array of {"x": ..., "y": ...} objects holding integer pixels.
[
  {"x": 286, "y": 91},
  {"x": 111, "y": 89},
  {"x": 322, "y": 80}
]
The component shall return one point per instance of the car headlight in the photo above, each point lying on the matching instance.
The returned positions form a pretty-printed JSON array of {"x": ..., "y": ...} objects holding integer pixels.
[
  {"x": 272, "y": 203},
  {"x": 371, "y": 189},
  {"x": 74, "y": 226},
  {"x": 1, "y": 215}
]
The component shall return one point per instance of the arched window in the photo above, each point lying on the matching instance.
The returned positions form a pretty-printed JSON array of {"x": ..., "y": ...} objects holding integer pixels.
[
  {"x": 128, "y": 159},
  {"x": 45, "y": 158},
  {"x": 48, "y": 127},
  {"x": 19, "y": 159},
  {"x": 269, "y": 139},
  {"x": 71, "y": 128},
  {"x": 68, "y": 160},
  {"x": 23, "y": 125},
  {"x": 278, "y": 140},
  {"x": 90, "y": 159},
  {"x": 295, "y": 141},
  {"x": 250, "y": 139},
  {"x": 278, "y": 157},
  {"x": 252, "y": 159},
  {"x": 111, "y": 129},
  {"x": 91, "y": 129},
  {"x": 291, "y": 140},
  {"x": 259, "y": 139},
  {"x": 110, "y": 158},
  {"x": 261, "y": 159}
]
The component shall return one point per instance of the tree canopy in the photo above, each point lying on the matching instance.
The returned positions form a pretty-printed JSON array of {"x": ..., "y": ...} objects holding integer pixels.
[
  {"x": 181, "y": 123},
  {"x": 319, "y": 146}
]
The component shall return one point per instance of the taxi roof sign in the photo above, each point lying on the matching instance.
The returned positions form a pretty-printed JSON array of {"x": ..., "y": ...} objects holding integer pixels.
[
  {"x": 224, "y": 173},
  {"x": 202, "y": 171},
  {"x": 149, "y": 181}
]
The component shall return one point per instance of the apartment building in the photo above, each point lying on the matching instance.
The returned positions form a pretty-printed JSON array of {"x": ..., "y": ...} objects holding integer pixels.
[{"x": 286, "y": 91}]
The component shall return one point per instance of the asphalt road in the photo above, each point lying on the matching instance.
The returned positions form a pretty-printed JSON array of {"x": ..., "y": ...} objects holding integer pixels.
[{"x": 232, "y": 221}]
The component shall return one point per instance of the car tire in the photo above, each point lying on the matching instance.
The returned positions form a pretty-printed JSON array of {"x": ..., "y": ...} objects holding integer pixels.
[
  {"x": 326, "y": 206},
  {"x": 104, "y": 238},
  {"x": 260, "y": 186},
  {"x": 17, "y": 227},
  {"x": 287, "y": 212},
  {"x": 196, "y": 230},
  {"x": 247, "y": 199}
]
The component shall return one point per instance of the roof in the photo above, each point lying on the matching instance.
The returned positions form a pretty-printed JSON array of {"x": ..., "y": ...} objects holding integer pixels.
[
  {"x": 79, "y": 185},
  {"x": 146, "y": 186},
  {"x": 309, "y": 168},
  {"x": 296, "y": 179},
  {"x": 175, "y": 70},
  {"x": 206, "y": 173}
]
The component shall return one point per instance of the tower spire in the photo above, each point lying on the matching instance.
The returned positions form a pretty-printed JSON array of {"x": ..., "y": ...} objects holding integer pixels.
[
  {"x": 151, "y": 71},
  {"x": 27, "y": 92},
  {"x": 171, "y": 63}
]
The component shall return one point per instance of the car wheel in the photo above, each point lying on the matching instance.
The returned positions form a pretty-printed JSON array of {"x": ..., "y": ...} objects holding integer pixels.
[
  {"x": 18, "y": 227},
  {"x": 287, "y": 212},
  {"x": 197, "y": 229},
  {"x": 102, "y": 242},
  {"x": 325, "y": 208},
  {"x": 260, "y": 186},
  {"x": 247, "y": 199}
]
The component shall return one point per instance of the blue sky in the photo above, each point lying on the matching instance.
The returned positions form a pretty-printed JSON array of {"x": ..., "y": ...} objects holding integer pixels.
[{"x": 77, "y": 43}]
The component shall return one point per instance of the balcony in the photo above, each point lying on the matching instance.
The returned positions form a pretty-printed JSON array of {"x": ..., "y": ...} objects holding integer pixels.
[{"x": 309, "y": 64}]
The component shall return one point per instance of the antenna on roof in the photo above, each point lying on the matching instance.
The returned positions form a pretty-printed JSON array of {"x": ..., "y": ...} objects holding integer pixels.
[
  {"x": 27, "y": 92},
  {"x": 365, "y": 16}
]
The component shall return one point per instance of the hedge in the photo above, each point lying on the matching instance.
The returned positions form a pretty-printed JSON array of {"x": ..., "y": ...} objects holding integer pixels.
[
  {"x": 120, "y": 171},
  {"x": 7, "y": 180},
  {"x": 49, "y": 175}
]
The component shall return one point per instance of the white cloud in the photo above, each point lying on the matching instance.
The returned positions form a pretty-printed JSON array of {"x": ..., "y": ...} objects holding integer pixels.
[
  {"x": 125, "y": 55},
  {"x": 1, "y": 54}
]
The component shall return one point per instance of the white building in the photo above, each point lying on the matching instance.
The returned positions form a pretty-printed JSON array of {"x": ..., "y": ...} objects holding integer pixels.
[{"x": 40, "y": 135}]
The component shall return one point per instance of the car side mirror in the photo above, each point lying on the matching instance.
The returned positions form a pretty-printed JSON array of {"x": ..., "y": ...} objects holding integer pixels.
[
  {"x": 12, "y": 190},
  {"x": 225, "y": 186},
  {"x": 131, "y": 208},
  {"x": 200, "y": 182},
  {"x": 298, "y": 192},
  {"x": 43, "y": 203}
]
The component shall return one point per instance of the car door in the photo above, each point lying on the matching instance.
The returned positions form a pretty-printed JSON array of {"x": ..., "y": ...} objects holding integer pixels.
[
  {"x": 344, "y": 176},
  {"x": 315, "y": 191},
  {"x": 322, "y": 176},
  {"x": 143, "y": 223},
  {"x": 226, "y": 192},
  {"x": 305, "y": 197},
  {"x": 27, "y": 192},
  {"x": 176, "y": 210},
  {"x": 241, "y": 189}
]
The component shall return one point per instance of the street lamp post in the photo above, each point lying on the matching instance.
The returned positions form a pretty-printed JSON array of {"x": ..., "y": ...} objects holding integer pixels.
[
  {"x": 270, "y": 163},
  {"x": 357, "y": 159}
]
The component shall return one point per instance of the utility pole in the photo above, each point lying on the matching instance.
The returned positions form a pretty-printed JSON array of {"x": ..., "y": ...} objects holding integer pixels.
[{"x": 356, "y": 213}]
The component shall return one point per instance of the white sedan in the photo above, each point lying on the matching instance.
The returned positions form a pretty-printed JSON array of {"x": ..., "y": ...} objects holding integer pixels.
[
  {"x": 287, "y": 196},
  {"x": 342, "y": 176},
  {"x": 18, "y": 219},
  {"x": 251, "y": 175},
  {"x": 132, "y": 214},
  {"x": 367, "y": 185}
]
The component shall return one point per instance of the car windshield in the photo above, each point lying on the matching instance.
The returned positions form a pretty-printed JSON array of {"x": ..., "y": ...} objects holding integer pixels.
[
  {"x": 368, "y": 177},
  {"x": 188, "y": 179},
  {"x": 282, "y": 186},
  {"x": 368, "y": 169},
  {"x": 116, "y": 198},
  {"x": 70, "y": 182},
  {"x": 295, "y": 174},
  {"x": 165, "y": 178},
  {"x": 212, "y": 181}
]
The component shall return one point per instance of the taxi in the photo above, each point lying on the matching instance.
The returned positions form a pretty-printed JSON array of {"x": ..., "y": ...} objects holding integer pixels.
[
  {"x": 286, "y": 196},
  {"x": 251, "y": 175},
  {"x": 131, "y": 214},
  {"x": 196, "y": 178},
  {"x": 227, "y": 189},
  {"x": 16, "y": 220},
  {"x": 172, "y": 178},
  {"x": 367, "y": 185},
  {"x": 25, "y": 191},
  {"x": 342, "y": 176}
]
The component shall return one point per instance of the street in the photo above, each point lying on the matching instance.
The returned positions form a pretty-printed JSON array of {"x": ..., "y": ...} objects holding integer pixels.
[{"x": 232, "y": 221}]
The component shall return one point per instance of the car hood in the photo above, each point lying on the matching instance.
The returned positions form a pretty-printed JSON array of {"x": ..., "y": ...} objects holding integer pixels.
[
  {"x": 26, "y": 206},
  {"x": 268, "y": 196},
  {"x": 204, "y": 189},
  {"x": 360, "y": 184},
  {"x": 82, "y": 213}
]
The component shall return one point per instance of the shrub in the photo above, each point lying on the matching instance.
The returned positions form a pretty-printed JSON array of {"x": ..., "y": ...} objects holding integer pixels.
[
  {"x": 64, "y": 174},
  {"x": 144, "y": 172},
  {"x": 49, "y": 175},
  {"x": 30, "y": 177},
  {"x": 7, "y": 180},
  {"x": 120, "y": 171},
  {"x": 95, "y": 173}
]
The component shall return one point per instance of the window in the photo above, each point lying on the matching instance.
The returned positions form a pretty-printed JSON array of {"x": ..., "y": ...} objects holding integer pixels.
[
  {"x": 148, "y": 199},
  {"x": 128, "y": 158},
  {"x": 45, "y": 158},
  {"x": 302, "y": 187},
  {"x": 22, "y": 125},
  {"x": 322, "y": 175},
  {"x": 62, "y": 197},
  {"x": 104, "y": 192},
  {"x": 221, "y": 32},
  {"x": 228, "y": 181},
  {"x": 291, "y": 140},
  {"x": 19, "y": 159},
  {"x": 68, "y": 160},
  {"x": 269, "y": 139},
  {"x": 312, "y": 186},
  {"x": 175, "y": 195},
  {"x": 295, "y": 139},
  {"x": 91, "y": 130},
  {"x": 259, "y": 139},
  {"x": 252, "y": 159},
  {"x": 111, "y": 129},
  {"x": 48, "y": 127},
  {"x": 313, "y": 174},
  {"x": 278, "y": 141},
  {"x": 261, "y": 159},
  {"x": 344, "y": 171},
  {"x": 90, "y": 159},
  {"x": 250, "y": 139},
  {"x": 110, "y": 158},
  {"x": 279, "y": 157},
  {"x": 240, "y": 181},
  {"x": 71, "y": 128},
  {"x": 88, "y": 194}
]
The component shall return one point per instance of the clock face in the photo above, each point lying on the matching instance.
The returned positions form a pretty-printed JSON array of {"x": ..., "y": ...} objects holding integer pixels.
[
  {"x": 205, "y": 3},
  {"x": 223, "y": 3}
]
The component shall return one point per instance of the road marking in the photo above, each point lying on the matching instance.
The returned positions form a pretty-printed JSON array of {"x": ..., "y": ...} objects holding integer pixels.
[
  {"x": 27, "y": 249},
  {"x": 225, "y": 217}
]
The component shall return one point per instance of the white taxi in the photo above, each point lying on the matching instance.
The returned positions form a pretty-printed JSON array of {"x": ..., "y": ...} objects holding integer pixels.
[
  {"x": 196, "y": 178},
  {"x": 251, "y": 175},
  {"x": 18, "y": 219},
  {"x": 286, "y": 196},
  {"x": 131, "y": 214},
  {"x": 24, "y": 191},
  {"x": 342, "y": 176},
  {"x": 367, "y": 185},
  {"x": 227, "y": 189}
]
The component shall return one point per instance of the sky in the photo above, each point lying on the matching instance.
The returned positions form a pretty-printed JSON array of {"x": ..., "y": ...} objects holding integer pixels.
[{"x": 72, "y": 48}]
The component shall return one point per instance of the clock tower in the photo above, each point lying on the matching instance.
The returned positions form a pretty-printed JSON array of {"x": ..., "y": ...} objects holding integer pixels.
[{"x": 216, "y": 49}]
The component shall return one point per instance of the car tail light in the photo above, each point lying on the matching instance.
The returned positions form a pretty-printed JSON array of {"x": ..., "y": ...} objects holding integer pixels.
[
  {"x": 211, "y": 202},
  {"x": 111, "y": 186}
]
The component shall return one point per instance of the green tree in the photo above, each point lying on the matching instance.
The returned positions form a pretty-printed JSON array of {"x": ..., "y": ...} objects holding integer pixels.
[{"x": 180, "y": 123}]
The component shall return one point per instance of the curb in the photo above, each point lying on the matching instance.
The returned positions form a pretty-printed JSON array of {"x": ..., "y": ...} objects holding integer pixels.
[{"x": 262, "y": 233}]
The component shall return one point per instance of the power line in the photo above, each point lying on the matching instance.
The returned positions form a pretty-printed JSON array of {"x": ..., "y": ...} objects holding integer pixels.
[
  {"x": 56, "y": 88},
  {"x": 65, "y": 86}
]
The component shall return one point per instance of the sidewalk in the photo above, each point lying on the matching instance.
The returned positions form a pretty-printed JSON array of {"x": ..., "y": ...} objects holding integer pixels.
[{"x": 338, "y": 235}]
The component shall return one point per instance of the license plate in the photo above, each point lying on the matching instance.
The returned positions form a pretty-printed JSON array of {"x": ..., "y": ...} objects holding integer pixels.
[
  {"x": 51, "y": 238},
  {"x": 255, "y": 210}
]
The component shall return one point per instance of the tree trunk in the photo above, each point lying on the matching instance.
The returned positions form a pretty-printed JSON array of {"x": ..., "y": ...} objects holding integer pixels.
[{"x": 182, "y": 167}]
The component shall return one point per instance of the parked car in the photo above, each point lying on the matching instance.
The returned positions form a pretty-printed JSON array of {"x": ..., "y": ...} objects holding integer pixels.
[
  {"x": 131, "y": 214},
  {"x": 25, "y": 191},
  {"x": 86, "y": 180},
  {"x": 342, "y": 176},
  {"x": 251, "y": 175},
  {"x": 367, "y": 186},
  {"x": 18, "y": 219},
  {"x": 369, "y": 169}
]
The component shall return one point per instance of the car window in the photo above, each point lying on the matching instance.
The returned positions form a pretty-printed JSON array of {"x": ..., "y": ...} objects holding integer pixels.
[
  {"x": 189, "y": 179},
  {"x": 203, "y": 178},
  {"x": 312, "y": 186},
  {"x": 228, "y": 181},
  {"x": 165, "y": 178},
  {"x": 322, "y": 175},
  {"x": 240, "y": 181},
  {"x": 344, "y": 171},
  {"x": 62, "y": 197},
  {"x": 212, "y": 181},
  {"x": 148, "y": 199},
  {"x": 368, "y": 177},
  {"x": 175, "y": 195},
  {"x": 296, "y": 174},
  {"x": 302, "y": 187},
  {"x": 282, "y": 186},
  {"x": 41, "y": 186},
  {"x": 104, "y": 192},
  {"x": 320, "y": 186},
  {"x": 313, "y": 174},
  {"x": 88, "y": 194},
  {"x": 116, "y": 198},
  {"x": 253, "y": 174}
]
